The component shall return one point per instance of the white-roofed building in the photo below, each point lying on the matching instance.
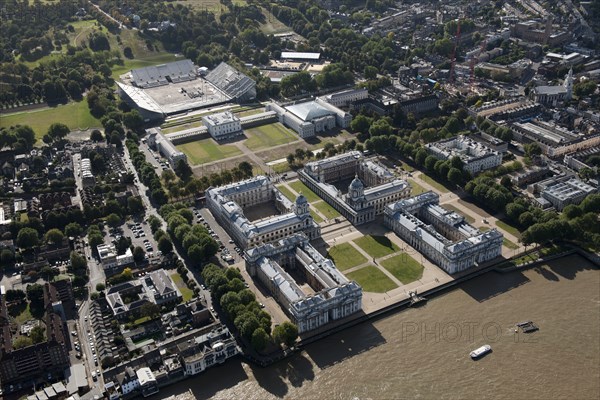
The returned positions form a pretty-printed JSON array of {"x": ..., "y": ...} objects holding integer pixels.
[
  {"x": 362, "y": 203},
  {"x": 441, "y": 235},
  {"x": 327, "y": 294},
  {"x": 565, "y": 190},
  {"x": 222, "y": 126},
  {"x": 148, "y": 385},
  {"x": 475, "y": 156},
  {"x": 300, "y": 56},
  {"x": 309, "y": 118},
  {"x": 226, "y": 203},
  {"x": 345, "y": 97}
]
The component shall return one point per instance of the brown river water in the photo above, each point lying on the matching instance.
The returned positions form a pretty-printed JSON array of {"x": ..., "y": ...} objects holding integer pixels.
[{"x": 423, "y": 353}]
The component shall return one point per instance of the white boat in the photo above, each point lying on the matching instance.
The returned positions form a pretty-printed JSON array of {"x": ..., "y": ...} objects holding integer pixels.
[{"x": 486, "y": 348}]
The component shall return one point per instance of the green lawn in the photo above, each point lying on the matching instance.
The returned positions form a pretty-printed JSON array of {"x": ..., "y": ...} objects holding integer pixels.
[
  {"x": 416, "y": 188},
  {"x": 483, "y": 228},
  {"x": 405, "y": 268},
  {"x": 451, "y": 207},
  {"x": 300, "y": 187},
  {"x": 436, "y": 185},
  {"x": 207, "y": 150},
  {"x": 24, "y": 316},
  {"x": 406, "y": 167},
  {"x": 186, "y": 292},
  {"x": 287, "y": 192},
  {"x": 509, "y": 244},
  {"x": 377, "y": 246},
  {"x": 281, "y": 167},
  {"x": 372, "y": 279},
  {"x": 508, "y": 228},
  {"x": 345, "y": 256},
  {"x": 76, "y": 115},
  {"x": 263, "y": 137},
  {"x": 315, "y": 216},
  {"x": 325, "y": 209}
]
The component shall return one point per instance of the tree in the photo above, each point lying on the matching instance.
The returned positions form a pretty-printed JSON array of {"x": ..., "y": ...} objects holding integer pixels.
[
  {"x": 135, "y": 205},
  {"x": 138, "y": 254},
  {"x": 150, "y": 310},
  {"x": 430, "y": 162},
  {"x": 361, "y": 123},
  {"x": 260, "y": 339},
  {"x": 113, "y": 220},
  {"x": 100, "y": 287},
  {"x": 183, "y": 170},
  {"x": 286, "y": 333},
  {"x": 7, "y": 257},
  {"x": 532, "y": 149},
  {"x": 15, "y": 295},
  {"x": 27, "y": 238},
  {"x": 73, "y": 229},
  {"x": 54, "y": 236},
  {"x": 22, "y": 341},
  {"x": 77, "y": 261},
  {"x": 37, "y": 334},
  {"x": 506, "y": 182},
  {"x": 96, "y": 136},
  {"x": 58, "y": 131},
  {"x": 154, "y": 222},
  {"x": 370, "y": 72},
  {"x": 165, "y": 245}
]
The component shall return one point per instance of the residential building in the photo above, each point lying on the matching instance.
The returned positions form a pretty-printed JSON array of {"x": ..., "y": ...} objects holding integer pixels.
[
  {"x": 360, "y": 204},
  {"x": 147, "y": 380},
  {"x": 328, "y": 295},
  {"x": 476, "y": 157},
  {"x": 223, "y": 125},
  {"x": 128, "y": 381},
  {"x": 311, "y": 117},
  {"x": 164, "y": 146},
  {"x": 420, "y": 105},
  {"x": 227, "y": 204},
  {"x": 204, "y": 351},
  {"x": 441, "y": 235},
  {"x": 87, "y": 177}
]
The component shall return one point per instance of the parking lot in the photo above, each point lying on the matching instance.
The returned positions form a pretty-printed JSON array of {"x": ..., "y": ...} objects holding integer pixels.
[{"x": 140, "y": 234}]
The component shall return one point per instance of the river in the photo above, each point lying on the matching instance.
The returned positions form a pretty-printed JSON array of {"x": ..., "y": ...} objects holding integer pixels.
[{"x": 423, "y": 353}]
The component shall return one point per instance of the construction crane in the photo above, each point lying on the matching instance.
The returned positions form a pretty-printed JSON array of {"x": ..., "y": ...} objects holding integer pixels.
[
  {"x": 475, "y": 60},
  {"x": 457, "y": 39}
]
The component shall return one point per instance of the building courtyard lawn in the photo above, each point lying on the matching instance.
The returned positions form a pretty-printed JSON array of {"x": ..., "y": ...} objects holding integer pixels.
[
  {"x": 286, "y": 192},
  {"x": 207, "y": 150},
  {"x": 345, "y": 256},
  {"x": 300, "y": 187},
  {"x": 266, "y": 136},
  {"x": 315, "y": 216},
  {"x": 415, "y": 188},
  {"x": 377, "y": 246},
  {"x": 404, "y": 268},
  {"x": 325, "y": 209},
  {"x": 186, "y": 292},
  {"x": 372, "y": 279}
]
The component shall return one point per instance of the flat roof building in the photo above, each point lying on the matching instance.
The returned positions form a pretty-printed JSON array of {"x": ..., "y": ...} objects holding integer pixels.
[
  {"x": 327, "y": 294},
  {"x": 441, "y": 235},
  {"x": 475, "y": 156},
  {"x": 565, "y": 190},
  {"x": 222, "y": 126},
  {"x": 296, "y": 55},
  {"x": 165, "y": 146}
]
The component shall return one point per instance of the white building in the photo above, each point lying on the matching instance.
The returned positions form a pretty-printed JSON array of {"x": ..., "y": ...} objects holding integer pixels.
[
  {"x": 87, "y": 177},
  {"x": 345, "y": 97},
  {"x": 565, "y": 190},
  {"x": 148, "y": 385},
  {"x": 442, "y": 236},
  {"x": 207, "y": 350},
  {"x": 226, "y": 203},
  {"x": 128, "y": 381},
  {"x": 223, "y": 125},
  {"x": 112, "y": 262},
  {"x": 362, "y": 203},
  {"x": 475, "y": 156},
  {"x": 311, "y": 117},
  {"x": 331, "y": 295},
  {"x": 164, "y": 146}
]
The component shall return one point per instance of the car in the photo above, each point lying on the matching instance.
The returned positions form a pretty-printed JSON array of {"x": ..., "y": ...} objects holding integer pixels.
[
  {"x": 94, "y": 376},
  {"x": 78, "y": 355},
  {"x": 96, "y": 362},
  {"x": 231, "y": 241},
  {"x": 202, "y": 287},
  {"x": 261, "y": 305},
  {"x": 74, "y": 333},
  {"x": 212, "y": 309}
]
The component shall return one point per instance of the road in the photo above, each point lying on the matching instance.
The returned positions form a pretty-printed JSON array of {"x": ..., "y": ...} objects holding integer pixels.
[{"x": 121, "y": 26}]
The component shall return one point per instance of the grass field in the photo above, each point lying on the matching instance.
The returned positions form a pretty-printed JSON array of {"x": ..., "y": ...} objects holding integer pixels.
[
  {"x": 75, "y": 115},
  {"x": 508, "y": 228},
  {"x": 300, "y": 187},
  {"x": 207, "y": 150},
  {"x": 451, "y": 207},
  {"x": 483, "y": 228},
  {"x": 372, "y": 279},
  {"x": 345, "y": 256},
  {"x": 263, "y": 137},
  {"x": 325, "y": 209},
  {"x": 286, "y": 192},
  {"x": 186, "y": 292},
  {"x": 272, "y": 24},
  {"x": 416, "y": 188},
  {"x": 315, "y": 216},
  {"x": 509, "y": 244},
  {"x": 377, "y": 246},
  {"x": 280, "y": 168},
  {"x": 404, "y": 268},
  {"x": 437, "y": 186}
]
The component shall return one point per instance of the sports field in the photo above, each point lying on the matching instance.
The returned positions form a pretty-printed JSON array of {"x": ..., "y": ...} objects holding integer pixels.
[
  {"x": 76, "y": 115},
  {"x": 207, "y": 150},
  {"x": 372, "y": 279},
  {"x": 377, "y": 246},
  {"x": 404, "y": 268},
  {"x": 265, "y": 136},
  {"x": 345, "y": 256}
]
